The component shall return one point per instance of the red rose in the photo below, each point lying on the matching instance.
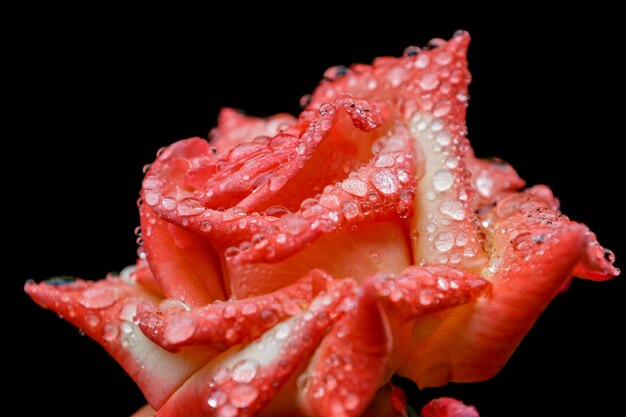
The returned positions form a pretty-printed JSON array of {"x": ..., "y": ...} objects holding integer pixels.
[{"x": 291, "y": 266}]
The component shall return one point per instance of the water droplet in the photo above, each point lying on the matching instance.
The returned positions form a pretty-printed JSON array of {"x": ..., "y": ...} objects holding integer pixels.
[
  {"x": 227, "y": 410},
  {"x": 429, "y": 81},
  {"x": 351, "y": 402},
  {"x": 282, "y": 331},
  {"x": 152, "y": 198},
  {"x": 442, "y": 180},
  {"x": 444, "y": 241},
  {"x": 443, "y": 138},
  {"x": 243, "y": 395},
  {"x": 98, "y": 297},
  {"x": 442, "y": 108},
  {"x": 609, "y": 255},
  {"x": 276, "y": 211},
  {"x": 350, "y": 209},
  {"x": 206, "y": 226},
  {"x": 422, "y": 61},
  {"x": 180, "y": 330},
  {"x": 277, "y": 182},
  {"x": 462, "y": 239},
  {"x": 354, "y": 186},
  {"x": 230, "y": 311},
  {"x": 330, "y": 201},
  {"x": 93, "y": 320},
  {"x": 468, "y": 252},
  {"x": 249, "y": 309},
  {"x": 453, "y": 209},
  {"x": 245, "y": 370},
  {"x": 412, "y": 51},
  {"x": 189, "y": 207},
  {"x": 217, "y": 399},
  {"x": 426, "y": 297},
  {"x": 230, "y": 252},
  {"x": 109, "y": 332},
  {"x": 385, "y": 181},
  {"x": 168, "y": 204},
  {"x": 384, "y": 161},
  {"x": 374, "y": 258}
]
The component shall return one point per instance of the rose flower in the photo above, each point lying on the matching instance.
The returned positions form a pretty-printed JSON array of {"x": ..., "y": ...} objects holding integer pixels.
[{"x": 290, "y": 267}]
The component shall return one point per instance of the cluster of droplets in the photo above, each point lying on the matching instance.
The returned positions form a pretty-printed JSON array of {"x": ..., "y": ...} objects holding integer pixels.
[
  {"x": 259, "y": 370},
  {"x": 446, "y": 192},
  {"x": 382, "y": 188},
  {"x": 418, "y": 291}
]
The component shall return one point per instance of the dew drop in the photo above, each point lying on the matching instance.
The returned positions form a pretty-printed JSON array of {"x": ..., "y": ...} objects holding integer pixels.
[
  {"x": 206, "y": 226},
  {"x": 168, "y": 204},
  {"x": 385, "y": 182},
  {"x": 453, "y": 209},
  {"x": 245, "y": 370},
  {"x": 350, "y": 209},
  {"x": 276, "y": 211},
  {"x": 277, "y": 182},
  {"x": 354, "y": 186},
  {"x": 442, "y": 179},
  {"x": 217, "y": 399},
  {"x": 609, "y": 255},
  {"x": 374, "y": 258},
  {"x": 444, "y": 241},
  {"x": 110, "y": 332},
  {"x": 243, "y": 395},
  {"x": 282, "y": 331},
  {"x": 227, "y": 410},
  {"x": 422, "y": 61},
  {"x": 152, "y": 198},
  {"x": 429, "y": 81},
  {"x": 181, "y": 330},
  {"x": 98, "y": 297}
]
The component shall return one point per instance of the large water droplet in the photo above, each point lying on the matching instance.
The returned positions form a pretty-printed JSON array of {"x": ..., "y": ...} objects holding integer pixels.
[
  {"x": 444, "y": 241},
  {"x": 453, "y": 209},
  {"x": 429, "y": 81},
  {"x": 180, "y": 330},
  {"x": 243, "y": 395},
  {"x": 217, "y": 399},
  {"x": 245, "y": 370},
  {"x": 442, "y": 180},
  {"x": 282, "y": 331},
  {"x": 385, "y": 182},
  {"x": 98, "y": 297},
  {"x": 227, "y": 410},
  {"x": 350, "y": 209},
  {"x": 354, "y": 186}
]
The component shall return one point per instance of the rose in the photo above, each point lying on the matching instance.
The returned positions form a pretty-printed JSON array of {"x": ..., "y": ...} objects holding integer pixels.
[{"x": 374, "y": 176}]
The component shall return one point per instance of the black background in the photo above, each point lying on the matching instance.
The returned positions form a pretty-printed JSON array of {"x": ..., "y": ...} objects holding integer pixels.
[{"x": 94, "y": 101}]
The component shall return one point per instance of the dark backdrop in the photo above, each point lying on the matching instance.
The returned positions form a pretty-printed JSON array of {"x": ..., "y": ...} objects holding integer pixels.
[{"x": 95, "y": 101}]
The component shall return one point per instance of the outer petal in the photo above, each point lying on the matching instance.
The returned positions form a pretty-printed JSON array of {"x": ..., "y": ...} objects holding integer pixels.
[
  {"x": 244, "y": 379},
  {"x": 350, "y": 363},
  {"x": 228, "y": 323},
  {"x": 533, "y": 252},
  {"x": 104, "y": 310},
  {"x": 185, "y": 266}
]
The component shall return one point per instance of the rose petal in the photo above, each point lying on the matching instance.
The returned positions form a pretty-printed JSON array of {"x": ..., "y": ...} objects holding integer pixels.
[
  {"x": 185, "y": 265},
  {"x": 533, "y": 252},
  {"x": 104, "y": 310},
  {"x": 244, "y": 379},
  {"x": 228, "y": 323},
  {"x": 355, "y": 350}
]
